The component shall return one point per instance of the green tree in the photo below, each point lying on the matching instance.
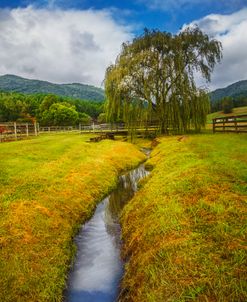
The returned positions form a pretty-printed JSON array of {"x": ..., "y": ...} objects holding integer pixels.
[
  {"x": 154, "y": 77},
  {"x": 91, "y": 108},
  {"x": 227, "y": 104},
  {"x": 102, "y": 118},
  {"x": 48, "y": 101},
  {"x": 84, "y": 118},
  {"x": 60, "y": 114},
  {"x": 15, "y": 106},
  {"x": 28, "y": 108}
]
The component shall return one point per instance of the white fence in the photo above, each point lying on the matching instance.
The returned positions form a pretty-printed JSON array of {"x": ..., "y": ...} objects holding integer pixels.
[
  {"x": 54, "y": 129},
  {"x": 16, "y": 131}
]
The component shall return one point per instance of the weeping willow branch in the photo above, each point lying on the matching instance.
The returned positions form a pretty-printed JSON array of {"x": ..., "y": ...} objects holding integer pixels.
[{"x": 153, "y": 79}]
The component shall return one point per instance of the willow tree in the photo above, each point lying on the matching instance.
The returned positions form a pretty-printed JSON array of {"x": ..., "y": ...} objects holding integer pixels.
[{"x": 154, "y": 77}]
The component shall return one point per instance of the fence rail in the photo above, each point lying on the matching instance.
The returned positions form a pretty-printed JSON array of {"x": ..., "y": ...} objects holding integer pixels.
[
  {"x": 236, "y": 124},
  {"x": 116, "y": 128},
  {"x": 48, "y": 129},
  {"x": 16, "y": 131}
]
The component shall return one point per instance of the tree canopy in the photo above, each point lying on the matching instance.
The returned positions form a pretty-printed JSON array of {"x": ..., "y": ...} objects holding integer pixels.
[
  {"x": 153, "y": 78},
  {"x": 232, "y": 102},
  {"x": 47, "y": 109}
]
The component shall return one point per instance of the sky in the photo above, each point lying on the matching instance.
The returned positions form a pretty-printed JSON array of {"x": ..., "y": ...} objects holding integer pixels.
[{"x": 65, "y": 41}]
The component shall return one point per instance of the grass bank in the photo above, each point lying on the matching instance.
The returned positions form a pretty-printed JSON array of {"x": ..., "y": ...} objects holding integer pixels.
[
  {"x": 49, "y": 186},
  {"x": 184, "y": 231}
]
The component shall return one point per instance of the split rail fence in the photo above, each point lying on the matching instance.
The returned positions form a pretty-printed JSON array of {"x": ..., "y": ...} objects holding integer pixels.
[{"x": 236, "y": 124}]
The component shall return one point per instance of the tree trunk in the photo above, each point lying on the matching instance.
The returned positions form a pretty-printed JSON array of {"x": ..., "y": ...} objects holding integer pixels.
[{"x": 163, "y": 127}]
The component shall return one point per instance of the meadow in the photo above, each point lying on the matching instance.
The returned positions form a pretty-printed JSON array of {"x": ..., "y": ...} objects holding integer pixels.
[
  {"x": 49, "y": 187},
  {"x": 235, "y": 111},
  {"x": 184, "y": 232}
]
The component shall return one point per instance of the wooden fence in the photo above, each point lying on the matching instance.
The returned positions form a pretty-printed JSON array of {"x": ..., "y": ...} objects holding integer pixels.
[
  {"x": 236, "y": 124},
  {"x": 117, "y": 128},
  {"x": 16, "y": 131},
  {"x": 55, "y": 129},
  {"x": 93, "y": 127}
]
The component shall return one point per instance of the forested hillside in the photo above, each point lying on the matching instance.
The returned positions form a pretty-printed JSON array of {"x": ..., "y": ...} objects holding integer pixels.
[
  {"x": 14, "y": 83},
  {"x": 233, "y": 96},
  {"x": 47, "y": 109},
  {"x": 234, "y": 90}
]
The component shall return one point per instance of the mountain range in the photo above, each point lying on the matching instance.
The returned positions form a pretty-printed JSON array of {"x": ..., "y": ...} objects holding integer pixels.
[
  {"x": 13, "y": 83},
  {"x": 234, "y": 90}
]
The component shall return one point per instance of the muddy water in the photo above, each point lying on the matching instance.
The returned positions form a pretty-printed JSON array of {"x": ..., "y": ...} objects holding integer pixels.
[{"x": 98, "y": 268}]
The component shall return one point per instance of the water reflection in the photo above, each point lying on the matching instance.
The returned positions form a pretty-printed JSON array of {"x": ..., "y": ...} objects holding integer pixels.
[
  {"x": 98, "y": 267},
  {"x": 125, "y": 190}
]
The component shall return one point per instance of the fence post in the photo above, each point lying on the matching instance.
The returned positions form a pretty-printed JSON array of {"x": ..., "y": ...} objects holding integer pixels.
[
  {"x": 15, "y": 129},
  {"x": 27, "y": 132},
  {"x": 35, "y": 129},
  {"x": 236, "y": 124},
  {"x": 213, "y": 125}
]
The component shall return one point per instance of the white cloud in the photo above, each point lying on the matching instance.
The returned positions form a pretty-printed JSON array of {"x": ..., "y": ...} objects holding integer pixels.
[
  {"x": 59, "y": 46},
  {"x": 231, "y": 30}
]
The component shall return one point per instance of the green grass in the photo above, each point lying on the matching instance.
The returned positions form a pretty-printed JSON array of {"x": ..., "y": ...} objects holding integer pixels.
[
  {"x": 184, "y": 232},
  {"x": 49, "y": 186},
  {"x": 236, "y": 111}
]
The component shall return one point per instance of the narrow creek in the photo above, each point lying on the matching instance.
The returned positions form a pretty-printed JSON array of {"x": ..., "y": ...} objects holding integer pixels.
[{"x": 97, "y": 271}]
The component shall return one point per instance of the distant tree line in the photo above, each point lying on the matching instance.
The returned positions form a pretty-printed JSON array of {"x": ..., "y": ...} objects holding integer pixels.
[
  {"x": 48, "y": 109},
  {"x": 226, "y": 104}
]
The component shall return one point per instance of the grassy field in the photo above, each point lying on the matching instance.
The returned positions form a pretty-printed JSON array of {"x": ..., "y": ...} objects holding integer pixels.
[
  {"x": 184, "y": 232},
  {"x": 236, "y": 111},
  {"x": 49, "y": 186}
]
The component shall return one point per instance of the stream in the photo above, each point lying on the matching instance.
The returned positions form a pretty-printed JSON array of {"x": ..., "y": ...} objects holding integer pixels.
[{"x": 98, "y": 268}]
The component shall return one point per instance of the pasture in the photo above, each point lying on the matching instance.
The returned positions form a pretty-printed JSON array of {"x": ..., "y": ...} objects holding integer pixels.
[
  {"x": 235, "y": 111},
  {"x": 184, "y": 232},
  {"x": 49, "y": 186}
]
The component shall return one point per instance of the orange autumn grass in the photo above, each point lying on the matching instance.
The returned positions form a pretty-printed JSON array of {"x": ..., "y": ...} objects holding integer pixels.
[
  {"x": 184, "y": 231},
  {"x": 49, "y": 186}
]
